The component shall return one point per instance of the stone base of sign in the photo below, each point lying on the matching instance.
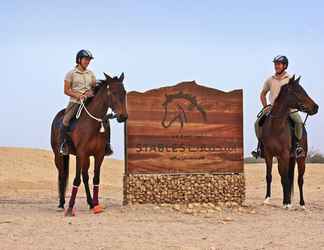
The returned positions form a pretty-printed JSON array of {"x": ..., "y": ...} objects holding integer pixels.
[{"x": 183, "y": 188}]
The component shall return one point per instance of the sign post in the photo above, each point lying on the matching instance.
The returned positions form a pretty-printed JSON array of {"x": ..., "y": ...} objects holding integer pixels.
[{"x": 184, "y": 144}]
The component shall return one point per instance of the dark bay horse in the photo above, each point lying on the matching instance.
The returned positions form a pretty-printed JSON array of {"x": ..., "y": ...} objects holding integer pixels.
[
  {"x": 88, "y": 140},
  {"x": 277, "y": 139}
]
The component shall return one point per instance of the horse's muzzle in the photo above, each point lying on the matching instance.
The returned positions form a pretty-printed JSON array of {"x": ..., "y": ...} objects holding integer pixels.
[
  {"x": 315, "y": 110},
  {"x": 309, "y": 110}
]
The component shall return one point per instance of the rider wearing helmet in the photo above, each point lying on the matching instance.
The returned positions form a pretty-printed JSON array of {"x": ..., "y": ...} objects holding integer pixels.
[
  {"x": 273, "y": 85},
  {"x": 78, "y": 85}
]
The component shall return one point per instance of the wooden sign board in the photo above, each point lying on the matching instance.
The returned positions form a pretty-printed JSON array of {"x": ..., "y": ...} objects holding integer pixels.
[{"x": 186, "y": 128}]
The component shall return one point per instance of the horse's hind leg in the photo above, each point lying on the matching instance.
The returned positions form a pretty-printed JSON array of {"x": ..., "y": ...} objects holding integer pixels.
[
  {"x": 85, "y": 178},
  {"x": 291, "y": 173},
  {"x": 268, "y": 179},
  {"x": 96, "y": 181},
  {"x": 301, "y": 170},
  {"x": 283, "y": 165},
  {"x": 62, "y": 165}
]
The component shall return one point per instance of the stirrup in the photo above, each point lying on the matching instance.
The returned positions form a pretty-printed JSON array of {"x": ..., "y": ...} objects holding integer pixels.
[
  {"x": 64, "y": 149},
  {"x": 256, "y": 154},
  {"x": 299, "y": 152}
]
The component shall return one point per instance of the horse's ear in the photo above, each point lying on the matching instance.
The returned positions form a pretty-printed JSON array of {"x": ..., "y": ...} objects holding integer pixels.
[
  {"x": 121, "y": 77},
  {"x": 107, "y": 76},
  {"x": 297, "y": 80},
  {"x": 292, "y": 80}
]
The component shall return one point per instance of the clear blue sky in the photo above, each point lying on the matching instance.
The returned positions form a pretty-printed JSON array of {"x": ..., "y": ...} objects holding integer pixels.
[{"x": 222, "y": 44}]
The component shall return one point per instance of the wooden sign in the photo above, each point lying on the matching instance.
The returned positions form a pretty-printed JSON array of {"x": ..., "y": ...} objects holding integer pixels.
[{"x": 186, "y": 128}]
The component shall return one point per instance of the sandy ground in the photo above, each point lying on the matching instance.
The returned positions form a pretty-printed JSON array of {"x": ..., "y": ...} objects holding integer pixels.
[{"x": 29, "y": 219}]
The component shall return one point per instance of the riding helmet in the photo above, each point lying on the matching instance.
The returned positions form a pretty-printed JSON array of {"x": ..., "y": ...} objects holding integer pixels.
[
  {"x": 281, "y": 59},
  {"x": 83, "y": 53}
]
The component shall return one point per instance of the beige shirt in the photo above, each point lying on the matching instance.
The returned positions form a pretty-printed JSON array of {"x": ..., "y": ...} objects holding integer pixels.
[
  {"x": 273, "y": 85},
  {"x": 81, "y": 81}
]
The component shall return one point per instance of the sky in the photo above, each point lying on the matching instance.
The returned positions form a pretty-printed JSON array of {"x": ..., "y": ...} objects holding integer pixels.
[{"x": 221, "y": 44}]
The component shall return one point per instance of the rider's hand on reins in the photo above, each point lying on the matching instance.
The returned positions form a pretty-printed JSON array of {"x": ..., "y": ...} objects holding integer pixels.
[
  {"x": 88, "y": 93},
  {"x": 267, "y": 108},
  {"x": 82, "y": 97}
]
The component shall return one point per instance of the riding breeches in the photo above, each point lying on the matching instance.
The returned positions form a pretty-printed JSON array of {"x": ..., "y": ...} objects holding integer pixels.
[
  {"x": 70, "y": 112},
  {"x": 295, "y": 116}
]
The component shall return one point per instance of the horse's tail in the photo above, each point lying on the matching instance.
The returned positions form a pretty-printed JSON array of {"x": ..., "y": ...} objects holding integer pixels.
[{"x": 291, "y": 173}]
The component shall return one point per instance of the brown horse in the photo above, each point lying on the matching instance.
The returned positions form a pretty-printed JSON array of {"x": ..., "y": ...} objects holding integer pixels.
[
  {"x": 277, "y": 139},
  {"x": 88, "y": 140}
]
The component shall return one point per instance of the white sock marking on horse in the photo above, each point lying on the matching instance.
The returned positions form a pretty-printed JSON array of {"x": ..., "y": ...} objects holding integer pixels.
[
  {"x": 267, "y": 201},
  {"x": 287, "y": 206}
]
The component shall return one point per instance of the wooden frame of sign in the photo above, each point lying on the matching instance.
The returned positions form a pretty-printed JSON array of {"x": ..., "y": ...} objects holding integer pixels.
[{"x": 184, "y": 144}]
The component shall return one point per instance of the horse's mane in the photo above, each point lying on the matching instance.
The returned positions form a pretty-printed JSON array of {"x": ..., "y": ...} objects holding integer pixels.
[
  {"x": 192, "y": 99},
  {"x": 282, "y": 92},
  {"x": 99, "y": 84}
]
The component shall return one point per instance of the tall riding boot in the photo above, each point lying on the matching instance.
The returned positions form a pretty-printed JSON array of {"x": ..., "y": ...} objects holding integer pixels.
[{"x": 64, "y": 149}]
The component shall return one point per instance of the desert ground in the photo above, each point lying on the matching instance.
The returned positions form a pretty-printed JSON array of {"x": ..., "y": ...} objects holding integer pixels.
[{"x": 29, "y": 218}]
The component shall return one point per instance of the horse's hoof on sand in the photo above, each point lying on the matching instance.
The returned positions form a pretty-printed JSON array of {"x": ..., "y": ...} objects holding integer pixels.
[
  {"x": 97, "y": 209},
  {"x": 303, "y": 207},
  {"x": 267, "y": 201},
  {"x": 287, "y": 206},
  {"x": 60, "y": 209},
  {"x": 69, "y": 212}
]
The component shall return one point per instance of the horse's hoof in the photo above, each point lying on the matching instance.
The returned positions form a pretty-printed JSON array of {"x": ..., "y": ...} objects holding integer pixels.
[
  {"x": 303, "y": 207},
  {"x": 60, "y": 209},
  {"x": 267, "y": 201},
  {"x": 69, "y": 212},
  {"x": 97, "y": 209},
  {"x": 287, "y": 206}
]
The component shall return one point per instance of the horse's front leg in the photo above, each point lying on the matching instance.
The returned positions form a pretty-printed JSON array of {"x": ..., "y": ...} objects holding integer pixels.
[
  {"x": 283, "y": 164},
  {"x": 96, "y": 181},
  {"x": 76, "y": 184},
  {"x": 301, "y": 172},
  {"x": 269, "y": 160},
  {"x": 85, "y": 178}
]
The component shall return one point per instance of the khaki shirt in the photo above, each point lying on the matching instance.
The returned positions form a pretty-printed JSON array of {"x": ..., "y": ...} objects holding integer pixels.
[
  {"x": 273, "y": 85},
  {"x": 81, "y": 81}
]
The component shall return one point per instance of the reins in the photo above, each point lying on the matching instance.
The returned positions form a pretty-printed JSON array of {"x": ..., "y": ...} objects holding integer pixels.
[{"x": 101, "y": 120}]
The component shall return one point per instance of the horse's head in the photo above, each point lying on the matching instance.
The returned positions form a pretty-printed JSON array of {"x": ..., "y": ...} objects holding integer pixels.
[
  {"x": 117, "y": 95},
  {"x": 297, "y": 97}
]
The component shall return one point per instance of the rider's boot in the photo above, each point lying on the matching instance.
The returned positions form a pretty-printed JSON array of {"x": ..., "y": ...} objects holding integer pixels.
[{"x": 64, "y": 149}]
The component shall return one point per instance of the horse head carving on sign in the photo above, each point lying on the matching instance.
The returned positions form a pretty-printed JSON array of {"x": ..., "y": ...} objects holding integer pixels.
[{"x": 176, "y": 107}]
